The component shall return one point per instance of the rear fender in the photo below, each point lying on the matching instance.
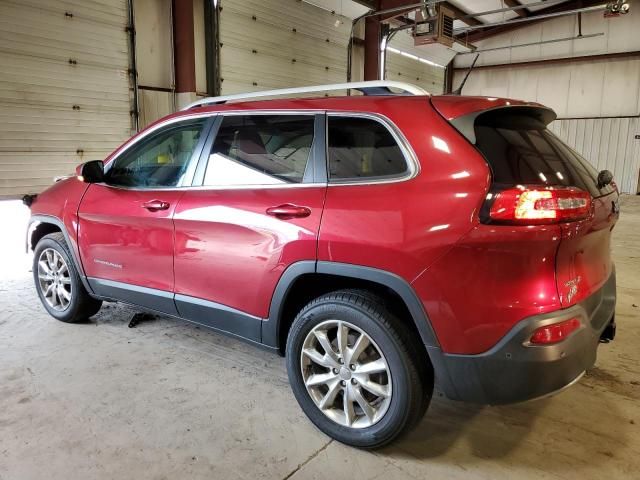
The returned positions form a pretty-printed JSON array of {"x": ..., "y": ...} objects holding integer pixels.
[{"x": 271, "y": 328}]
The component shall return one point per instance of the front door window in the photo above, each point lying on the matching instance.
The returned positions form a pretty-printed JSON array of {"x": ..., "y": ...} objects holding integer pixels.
[{"x": 160, "y": 160}]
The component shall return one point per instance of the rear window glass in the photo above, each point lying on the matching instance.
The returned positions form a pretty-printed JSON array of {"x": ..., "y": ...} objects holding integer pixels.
[{"x": 520, "y": 150}]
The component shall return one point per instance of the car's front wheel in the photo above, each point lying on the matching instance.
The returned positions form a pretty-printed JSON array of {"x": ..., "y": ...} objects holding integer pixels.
[
  {"x": 58, "y": 283},
  {"x": 355, "y": 370}
]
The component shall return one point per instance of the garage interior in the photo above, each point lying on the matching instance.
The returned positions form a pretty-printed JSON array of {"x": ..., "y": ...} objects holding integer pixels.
[{"x": 168, "y": 399}]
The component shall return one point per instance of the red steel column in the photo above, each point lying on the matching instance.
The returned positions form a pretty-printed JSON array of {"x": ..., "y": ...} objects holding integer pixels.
[
  {"x": 372, "y": 49},
  {"x": 373, "y": 36},
  {"x": 183, "y": 46}
]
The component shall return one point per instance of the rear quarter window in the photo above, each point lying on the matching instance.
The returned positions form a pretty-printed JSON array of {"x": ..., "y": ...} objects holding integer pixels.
[{"x": 363, "y": 148}]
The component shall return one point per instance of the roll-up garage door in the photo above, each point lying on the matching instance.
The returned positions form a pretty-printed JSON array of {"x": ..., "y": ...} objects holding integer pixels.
[
  {"x": 405, "y": 63},
  {"x": 280, "y": 44},
  {"x": 64, "y": 88}
]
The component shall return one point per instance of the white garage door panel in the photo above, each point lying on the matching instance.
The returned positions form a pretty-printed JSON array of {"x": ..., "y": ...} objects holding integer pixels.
[
  {"x": 29, "y": 170},
  {"x": 49, "y": 34},
  {"x": 270, "y": 40},
  {"x": 102, "y": 11},
  {"x": 272, "y": 71},
  {"x": 55, "y": 114},
  {"x": 271, "y": 35},
  {"x": 307, "y": 19},
  {"x": 25, "y": 81},
  {"x": 402, "y": 69},
  {"x": 405, "y": 69}
]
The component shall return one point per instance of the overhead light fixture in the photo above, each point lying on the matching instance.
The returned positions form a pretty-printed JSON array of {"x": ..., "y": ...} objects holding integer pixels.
[{"x": 616, "y": 8}]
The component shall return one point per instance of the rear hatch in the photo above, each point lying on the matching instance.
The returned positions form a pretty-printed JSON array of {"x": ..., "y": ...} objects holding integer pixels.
[{"x": 523, "y": 154}]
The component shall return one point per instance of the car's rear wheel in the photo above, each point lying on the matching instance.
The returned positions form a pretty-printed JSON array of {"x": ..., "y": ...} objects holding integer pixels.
[
  {"x": 58, "y": 283},
  {"x": 355, "y": 370}
]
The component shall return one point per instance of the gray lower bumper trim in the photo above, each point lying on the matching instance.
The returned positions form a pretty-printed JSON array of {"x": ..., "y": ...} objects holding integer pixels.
[{"x": 512, "y": 372}]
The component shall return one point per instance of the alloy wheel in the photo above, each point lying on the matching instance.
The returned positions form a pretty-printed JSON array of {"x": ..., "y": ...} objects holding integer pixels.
[
  {"x": 346, "y": 374},
  {"x": 54, "y": 279}
]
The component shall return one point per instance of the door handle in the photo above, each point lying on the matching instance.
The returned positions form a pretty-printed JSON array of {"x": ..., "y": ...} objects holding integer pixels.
[
  {"x": 155, "y": 205},
  {"x": 288, "y": 210}
]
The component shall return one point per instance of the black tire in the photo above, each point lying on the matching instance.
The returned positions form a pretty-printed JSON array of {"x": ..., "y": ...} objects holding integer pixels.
[
  {"x": 411, "y": 372},
  {"x": 82, "y": 305}
]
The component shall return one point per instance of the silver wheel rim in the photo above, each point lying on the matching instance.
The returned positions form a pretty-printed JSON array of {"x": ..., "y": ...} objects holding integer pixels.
[
  {"x": 54, "y": 280},
  {"x": 346, "y": 374}
]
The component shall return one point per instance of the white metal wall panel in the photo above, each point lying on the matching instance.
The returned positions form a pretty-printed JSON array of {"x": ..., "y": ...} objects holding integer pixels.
[
  {"x": 280, "y": 43},
  {"x": 64, "y": 88},
  {"x": 620, "y": 35},
  {"x": 595, "y": 88},
  {"x": 608, "y": 143}
]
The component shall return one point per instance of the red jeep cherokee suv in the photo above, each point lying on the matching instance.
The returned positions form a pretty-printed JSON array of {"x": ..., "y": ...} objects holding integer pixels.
[{"x": 382, "y": 242}]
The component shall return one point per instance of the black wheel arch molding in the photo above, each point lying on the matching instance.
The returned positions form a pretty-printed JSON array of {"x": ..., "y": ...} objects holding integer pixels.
[
  {"x": 271, "y": 329},
  {"x": 59, "y": 224}
]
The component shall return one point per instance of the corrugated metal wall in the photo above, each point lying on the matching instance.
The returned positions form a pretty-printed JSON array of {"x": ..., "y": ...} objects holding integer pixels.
[
  {"x": 594, "y": 88},
  {"x": 64, "y": 88},
  {"x": 608, "y": 143},
  {"x": 586, "y": 88}
]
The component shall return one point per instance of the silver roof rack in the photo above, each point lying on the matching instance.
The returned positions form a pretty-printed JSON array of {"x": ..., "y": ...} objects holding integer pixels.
[{"x": 374, "y": 87}]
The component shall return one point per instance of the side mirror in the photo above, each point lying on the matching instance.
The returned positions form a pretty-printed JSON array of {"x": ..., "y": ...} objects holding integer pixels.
[
  {"x": 91, "y": 172},
  {"x": 605, "y": 177}
]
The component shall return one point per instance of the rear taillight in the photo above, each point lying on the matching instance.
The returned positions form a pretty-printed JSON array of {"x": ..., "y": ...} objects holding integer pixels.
[
  {"x": 535, "y": 205},
  {"x": 554, "y": 333}
]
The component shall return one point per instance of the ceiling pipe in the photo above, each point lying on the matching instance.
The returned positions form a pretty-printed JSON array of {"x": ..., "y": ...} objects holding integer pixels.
[
  {"x": 543, "y": 42},
  {"x": 596, "y": 8}
]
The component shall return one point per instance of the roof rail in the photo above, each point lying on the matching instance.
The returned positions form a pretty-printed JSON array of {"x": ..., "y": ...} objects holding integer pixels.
[{"x": 375, "y": 87}]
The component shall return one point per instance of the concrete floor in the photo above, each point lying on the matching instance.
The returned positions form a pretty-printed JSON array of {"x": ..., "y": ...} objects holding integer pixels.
[{"x": 168, "y": 400}]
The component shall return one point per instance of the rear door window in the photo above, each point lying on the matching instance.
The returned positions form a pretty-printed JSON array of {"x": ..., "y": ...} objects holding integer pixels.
[
  {"x": 260, "y": 150},
  {"x": 521, "y": 151}
]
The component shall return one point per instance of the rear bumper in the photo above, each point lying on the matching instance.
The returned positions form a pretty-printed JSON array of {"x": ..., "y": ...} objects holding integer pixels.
[{"x": 512, "y": 372}]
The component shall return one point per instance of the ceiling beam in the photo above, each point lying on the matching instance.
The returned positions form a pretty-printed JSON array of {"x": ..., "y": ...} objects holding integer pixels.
[
  {"x": 372, "y": 4},
  {"x": 522, "y": 12},
  {"x": 458, "y": 12},
  {"x": 562, "y": 7},
  {"x": 554, "y": 61}
]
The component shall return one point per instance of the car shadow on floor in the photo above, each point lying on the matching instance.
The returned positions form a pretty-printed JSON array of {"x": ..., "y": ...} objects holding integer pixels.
[
  {"x": 579, "y": 430},
  {"x": 448, "y": 424},
  {"x": 490, "y": 432}
]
